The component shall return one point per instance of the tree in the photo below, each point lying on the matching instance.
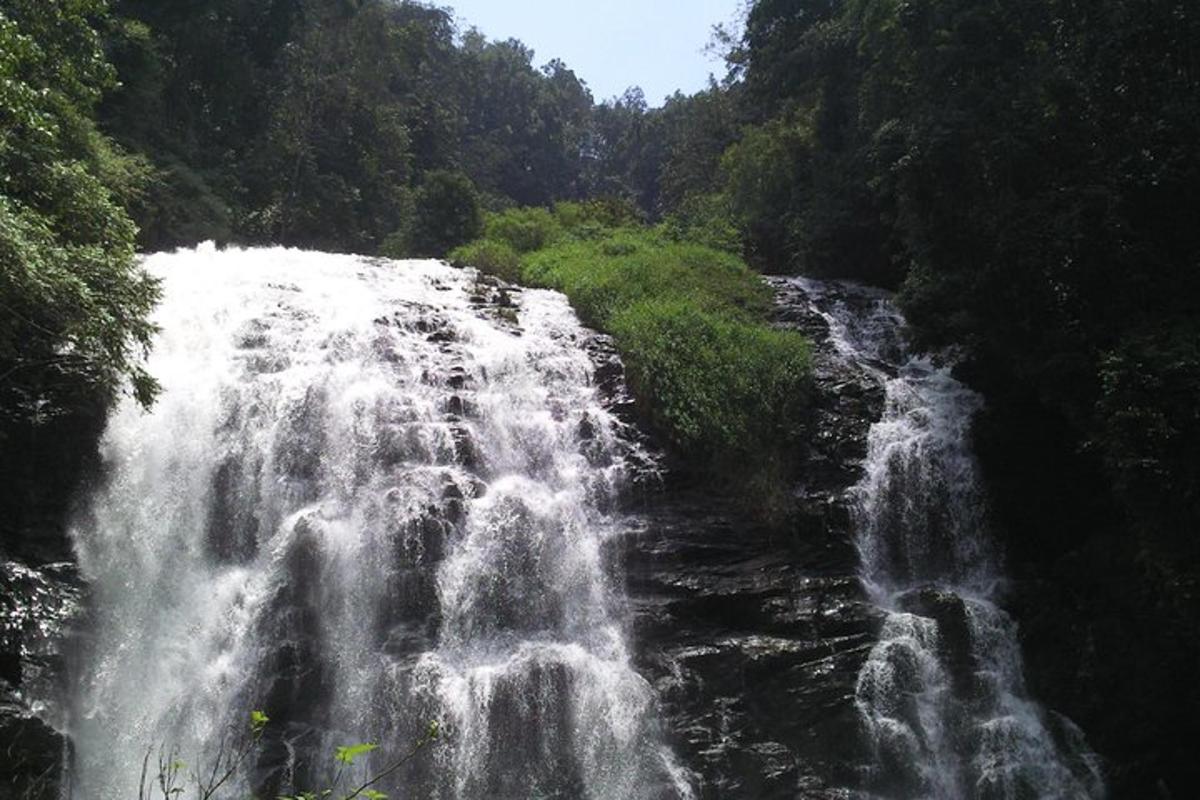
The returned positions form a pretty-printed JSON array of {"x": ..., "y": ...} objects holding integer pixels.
[
  {"x": 446, "y": 214},
  {"x": 74, "y": 304}
]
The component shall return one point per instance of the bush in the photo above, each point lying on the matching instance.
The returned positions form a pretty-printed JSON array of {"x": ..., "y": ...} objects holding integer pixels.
[
  {"x": 599, "y": 214},
  {"x": 604, "y": 276},
  {"x": 722, "y": 387},
  {"x": 706, "y": 219},
  {"x": 523, "y": 229},
  {"x": 491, "y": 256},
  {"x": 446, "y": 215}
]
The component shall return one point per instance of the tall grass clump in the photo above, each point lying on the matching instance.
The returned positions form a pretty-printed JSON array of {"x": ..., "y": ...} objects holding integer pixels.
[{"x": 725, "y": 389}]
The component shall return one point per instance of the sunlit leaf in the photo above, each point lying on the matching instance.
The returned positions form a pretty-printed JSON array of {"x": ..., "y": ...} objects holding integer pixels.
[{"x": 347, "y": 753}]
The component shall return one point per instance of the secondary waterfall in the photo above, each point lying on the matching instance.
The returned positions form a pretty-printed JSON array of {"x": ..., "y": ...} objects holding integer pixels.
[
  {"x": 941, "y": 695},
  {"x": 372, "y": 494}
]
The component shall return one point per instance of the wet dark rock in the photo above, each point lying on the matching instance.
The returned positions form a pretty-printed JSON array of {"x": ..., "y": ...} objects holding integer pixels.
[
  {"x": 754, "y": 635},
  {"x": 37, "y": 607},
  {"x": 846, "y": 399},
  {"x": 465, "y": 451},
  {"x": 300, "y": 442},
  {"x": 42, "y": 466},
  {"x": 954, "y": 633},
  {"x": 754, "y": 638},
  {"x": 451, "y": 490},
  {"x": 587, "y": 429},
  {"x": 31, "y": 752},
  {"x": 294, "y": 681},
  {"x": 233, "y": 525},
  {"x": 523, "y": 721},
  {"x": 254, "y": 335}
]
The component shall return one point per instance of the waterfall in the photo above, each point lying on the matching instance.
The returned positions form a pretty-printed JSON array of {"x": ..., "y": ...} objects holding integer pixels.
[
  {"x": 372, "y": 495},
  {"x": 941, "y": 696}
]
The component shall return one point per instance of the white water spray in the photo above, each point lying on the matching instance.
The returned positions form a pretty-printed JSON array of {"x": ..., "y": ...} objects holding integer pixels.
[
  {"x": 942, "y": 695},
  {"x": 372, "y": 494}
]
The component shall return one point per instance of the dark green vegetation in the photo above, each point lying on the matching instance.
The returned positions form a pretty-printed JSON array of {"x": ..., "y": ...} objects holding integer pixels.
[
  {"x": 724, "y": 388},
  {"x": 73, "y": 305},
  {"x": 335, "y": 125},
  {"x": 1026, "y": 174}
]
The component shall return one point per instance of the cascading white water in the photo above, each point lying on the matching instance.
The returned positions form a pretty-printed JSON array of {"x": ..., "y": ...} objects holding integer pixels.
[
  {"x": 942, "y": 694},
  {"x": 367, "y": 498}
]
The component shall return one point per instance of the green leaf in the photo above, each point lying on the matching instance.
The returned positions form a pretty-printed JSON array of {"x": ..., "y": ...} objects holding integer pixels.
[
  {"x": 371, "y": 794},
  {"x": 258, "y": 721},
  {"x": 347, "y": 753}
]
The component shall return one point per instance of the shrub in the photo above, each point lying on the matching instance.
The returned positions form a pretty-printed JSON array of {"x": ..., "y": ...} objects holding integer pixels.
[
  {"x": 705, "y": 219},
  {"x": 491, "y": 256},
  {"x": 523, "y": 229},
  {"x": 606, "y": 275},
  {"x": 446, "y": 215},
  {"x": 725, "y": 389},
  {"x": 589, "y": 216},
  {"x": 722, "y": 388}
]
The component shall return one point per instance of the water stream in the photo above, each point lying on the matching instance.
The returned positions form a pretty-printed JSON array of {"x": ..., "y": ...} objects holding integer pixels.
[
  {"x": 942, "y": 696},
  {"x": 372, "y": 495},
  {"x": 377, "y": 494}
]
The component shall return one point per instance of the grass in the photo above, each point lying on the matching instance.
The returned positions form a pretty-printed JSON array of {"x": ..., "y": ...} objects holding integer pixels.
[{"x": 725, "y": 389}]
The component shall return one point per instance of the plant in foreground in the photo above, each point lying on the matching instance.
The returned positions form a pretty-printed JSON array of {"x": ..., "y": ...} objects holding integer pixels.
[{"x": 174, "y": 777}]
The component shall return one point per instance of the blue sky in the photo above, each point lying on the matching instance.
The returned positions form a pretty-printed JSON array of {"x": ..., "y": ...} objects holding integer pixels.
[{"x": 612, "y": 44}]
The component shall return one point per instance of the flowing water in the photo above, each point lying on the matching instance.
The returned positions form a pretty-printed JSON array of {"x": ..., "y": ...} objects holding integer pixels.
[
  {"x": 941, "y": 695},
  {"x": 372, "y": 495}
]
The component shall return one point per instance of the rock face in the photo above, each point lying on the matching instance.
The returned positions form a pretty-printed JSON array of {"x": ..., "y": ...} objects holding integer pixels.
[
  {"x": 36, "y": 607},
  {"x": 754, "y": 636},
  {"x": 40, "y": 467}
]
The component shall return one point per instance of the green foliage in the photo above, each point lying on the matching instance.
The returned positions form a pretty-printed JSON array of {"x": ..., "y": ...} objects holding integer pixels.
[
  {"x": 1025, "y": 173},
  {"x": 446, "y": 214},
  {"x": 523, "y": 229},
  {"x": 597, "y": 214},
  {"x": 347, "y": 753},
  {"x": 1149, "y": 430},
  {"x": 722, "y": 386},
  {"x": 604, "y": 276},
  {"x": 494, "y": 257},
  {"x": 706, "y": 219},
  {"x": 763, "y": 174},
  {"x": 217, "y": 768},
  {"x": 314, "y": 123},
  {"x": 74, "y": 305},
  {"x": 513, "y": 232}
]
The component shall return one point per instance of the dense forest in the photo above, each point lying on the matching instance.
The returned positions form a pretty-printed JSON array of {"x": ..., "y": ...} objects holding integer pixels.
[{"x": 1024, "y": 174}]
